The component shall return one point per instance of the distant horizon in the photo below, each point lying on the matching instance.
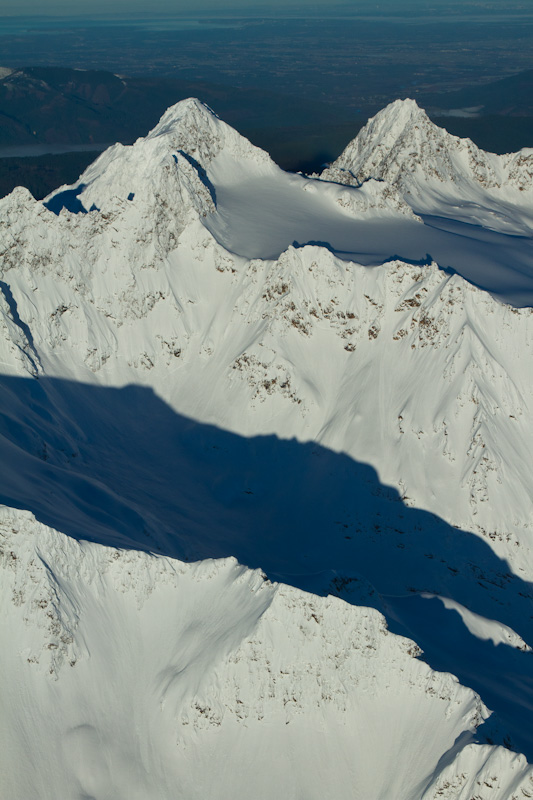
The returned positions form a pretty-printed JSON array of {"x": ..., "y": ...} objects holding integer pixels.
[{"x": 188, "y": 9}]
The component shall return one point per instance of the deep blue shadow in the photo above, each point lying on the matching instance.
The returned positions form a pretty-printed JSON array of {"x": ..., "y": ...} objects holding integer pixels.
[
  {"x": 202, "y": 174},
  {"x": 120, "y": 467},
  {"x": 69, "y": 200},
  {"x": 420, "y": 262},
  {"x": 5, "y": 288},
  {"x": 314, "y": 243}
]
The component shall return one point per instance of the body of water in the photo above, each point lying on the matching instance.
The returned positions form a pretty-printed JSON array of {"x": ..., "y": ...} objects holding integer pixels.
[{"x": 27, "y": 150}]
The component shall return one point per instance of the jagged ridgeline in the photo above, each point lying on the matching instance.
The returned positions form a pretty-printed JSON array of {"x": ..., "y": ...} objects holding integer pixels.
[{"x": 266, "y": 522}]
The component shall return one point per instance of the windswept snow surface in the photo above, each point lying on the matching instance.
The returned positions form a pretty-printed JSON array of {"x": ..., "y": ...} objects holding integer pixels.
[{"x": 253, "y": 462}]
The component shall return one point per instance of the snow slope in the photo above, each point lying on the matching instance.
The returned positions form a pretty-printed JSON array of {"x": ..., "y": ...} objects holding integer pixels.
[
  {"x": 430, "y": 168},
  {"x": 149, "y": 677},
  {"x": 206, "y": 358},
  {"x": 258, "y": 210},
  {"x": 455, "y": 188}
]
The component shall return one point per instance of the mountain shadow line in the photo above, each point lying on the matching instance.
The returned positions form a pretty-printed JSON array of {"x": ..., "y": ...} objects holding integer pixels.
[{"x": 119, "y": 467}]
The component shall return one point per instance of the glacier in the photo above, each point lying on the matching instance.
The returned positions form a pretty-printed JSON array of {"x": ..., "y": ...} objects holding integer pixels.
[{"x": 266, "y": 506}]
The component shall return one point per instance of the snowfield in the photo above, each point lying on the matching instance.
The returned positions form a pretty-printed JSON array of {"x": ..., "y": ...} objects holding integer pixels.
[{"x": 266, "y": 502}]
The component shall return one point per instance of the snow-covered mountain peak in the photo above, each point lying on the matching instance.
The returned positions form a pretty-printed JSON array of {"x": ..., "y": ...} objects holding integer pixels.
[
  {"x": 170, "y": 162},
  {"x": 403, "y": 147},
  {"x": 399, "y": 114},
  {"x": 191, "y": 107},
  {"x": 439, "y": 174},
  {"x": 192, "y": 127},
  {"x": 20, "y": 201},
  {"x": 206, "y": 357}
]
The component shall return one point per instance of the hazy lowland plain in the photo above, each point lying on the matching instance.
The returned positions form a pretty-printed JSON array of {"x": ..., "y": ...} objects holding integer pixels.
[{"x": 299, "y": 87}]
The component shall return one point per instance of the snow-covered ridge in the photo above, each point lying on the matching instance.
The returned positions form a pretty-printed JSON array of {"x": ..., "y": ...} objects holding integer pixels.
[
  {"x": 125, "y": 298},
  {"x": 167, "y": 165},
  {"x": 437, "y": 173},
  {"x": 401, "y": 145},
  {"x": 194, "y": 164},
  {"x": 204, "y": 356},
  {"x": 175, "y": 160},
  {"x": 201, "y": 661},
  {"x": 125, "y": 294}
]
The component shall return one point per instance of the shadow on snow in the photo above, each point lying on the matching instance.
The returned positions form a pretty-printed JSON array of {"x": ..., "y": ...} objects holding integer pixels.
[{"x": 121, "y": 468}]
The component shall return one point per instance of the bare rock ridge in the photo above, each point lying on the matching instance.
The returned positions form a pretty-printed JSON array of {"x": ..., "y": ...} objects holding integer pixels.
[{"x": 265, "y": 496}]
